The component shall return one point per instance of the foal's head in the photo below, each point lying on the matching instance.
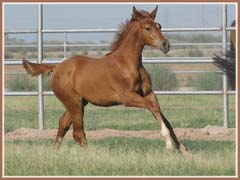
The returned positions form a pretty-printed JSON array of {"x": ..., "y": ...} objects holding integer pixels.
[
  {"x": 150, "y": 30},
  {"x": 138, "y": 15}
]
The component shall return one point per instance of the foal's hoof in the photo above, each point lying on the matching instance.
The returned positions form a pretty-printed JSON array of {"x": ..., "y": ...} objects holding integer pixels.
[
  {"x": 58, "y": 143},
  {"x": 83, "y": 144},
  {"x": 185, "y": 151},
  {"x": 169, "y": 146},
  {"x": 56, "y": 146}
]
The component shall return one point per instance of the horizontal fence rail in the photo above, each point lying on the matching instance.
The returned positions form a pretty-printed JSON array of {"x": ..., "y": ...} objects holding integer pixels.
[
  {"x": 193, "y": 60},
  {"x": 102, "y": 45},
  {"x": 159, "y": 60},
  {"x": 49, "y": 93},
  {"x": 112, "y": 30},
  {"x": 146, "y": 60},
  {"x": 176, "y": 72}
]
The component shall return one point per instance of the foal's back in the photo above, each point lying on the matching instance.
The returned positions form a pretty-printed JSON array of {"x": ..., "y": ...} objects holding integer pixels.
[{"x": 85, "y": 78}]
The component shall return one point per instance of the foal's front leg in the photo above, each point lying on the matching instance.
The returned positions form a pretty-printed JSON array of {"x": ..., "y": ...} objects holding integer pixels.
[
  {"x": 146, "y": 81},
  {"x": 167, "y": 130},
  {"x": 132, "y": 99}
]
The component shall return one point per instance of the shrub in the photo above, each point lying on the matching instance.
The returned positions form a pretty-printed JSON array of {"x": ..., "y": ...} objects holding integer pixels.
[
  {"x": 21, "y": 83},
  {"x": 46, "y": 83},
  {"x": 206, "y": 81},
  {"x": 195, "y": 52},
  {"x": 24, "y": 83},
  {"x": 162, "y": 78}
]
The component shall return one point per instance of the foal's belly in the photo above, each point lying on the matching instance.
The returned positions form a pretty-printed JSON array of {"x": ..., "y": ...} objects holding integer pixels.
[
  {"x": 100, "y": 97},
  {"x": 96, "y": 89}
]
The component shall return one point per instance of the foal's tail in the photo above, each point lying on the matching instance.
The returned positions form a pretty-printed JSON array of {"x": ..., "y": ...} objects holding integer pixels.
[
  {"x": 228, "y": 65},
  {"x": 37, "y": 69}
]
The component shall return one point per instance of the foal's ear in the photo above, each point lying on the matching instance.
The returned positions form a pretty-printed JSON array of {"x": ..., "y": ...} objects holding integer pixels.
[
  {"x": 136, "y": 15},
  {"x": 154, "y": 12}
]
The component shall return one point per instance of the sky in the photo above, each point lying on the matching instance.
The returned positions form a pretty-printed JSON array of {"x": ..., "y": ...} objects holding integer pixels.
[{"x": 77, "y": 16}]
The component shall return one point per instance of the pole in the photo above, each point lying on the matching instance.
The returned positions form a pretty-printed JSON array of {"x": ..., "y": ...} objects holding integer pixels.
[
  {"x": 40, "y": 78},
  {"x": 224, "y": 45},
  {"x": 65, "y": 45}
]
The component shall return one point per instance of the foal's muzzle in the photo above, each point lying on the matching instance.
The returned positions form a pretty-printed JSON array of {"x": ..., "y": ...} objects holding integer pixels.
[{"x": 164, "y": 46}]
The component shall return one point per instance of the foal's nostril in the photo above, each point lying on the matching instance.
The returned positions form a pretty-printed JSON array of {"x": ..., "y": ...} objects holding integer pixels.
[{"x": 166, "y": 44}]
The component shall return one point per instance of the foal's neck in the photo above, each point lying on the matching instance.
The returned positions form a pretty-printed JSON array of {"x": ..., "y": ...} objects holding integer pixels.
[{"x": 131, "y": 49}]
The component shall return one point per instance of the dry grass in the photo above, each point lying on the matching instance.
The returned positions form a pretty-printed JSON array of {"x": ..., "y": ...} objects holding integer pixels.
[{"x": 118, "y": 157}]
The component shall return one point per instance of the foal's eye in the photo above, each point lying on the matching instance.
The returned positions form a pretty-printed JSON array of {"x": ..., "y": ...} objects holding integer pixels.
[{"x": 148, "y": 28}]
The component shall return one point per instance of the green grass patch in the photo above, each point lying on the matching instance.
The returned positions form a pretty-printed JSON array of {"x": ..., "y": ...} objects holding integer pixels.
[
  {"x": 118, "y": 157},
  {"x": 207, "y": 81},
  {"x": 181, "y": 111}
]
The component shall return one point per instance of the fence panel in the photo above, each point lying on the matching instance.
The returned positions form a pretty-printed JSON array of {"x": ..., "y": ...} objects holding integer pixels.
[{"x": 40, "y": 31}]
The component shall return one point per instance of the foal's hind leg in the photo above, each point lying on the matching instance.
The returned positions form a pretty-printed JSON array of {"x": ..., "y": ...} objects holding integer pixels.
[
  {"x": 64, "y": 125},
  {"x": 76, "y": 111}
]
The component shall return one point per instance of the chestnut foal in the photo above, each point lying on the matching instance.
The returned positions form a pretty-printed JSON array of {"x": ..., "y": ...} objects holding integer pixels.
[{"x": 118, "y": 78}]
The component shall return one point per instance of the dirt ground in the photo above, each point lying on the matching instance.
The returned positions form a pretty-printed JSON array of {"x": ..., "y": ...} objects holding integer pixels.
[{"x": 207, "y": 133}]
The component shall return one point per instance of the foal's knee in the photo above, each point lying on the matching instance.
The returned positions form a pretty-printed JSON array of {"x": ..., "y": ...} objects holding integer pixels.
[{"x": 154, "y": 107}]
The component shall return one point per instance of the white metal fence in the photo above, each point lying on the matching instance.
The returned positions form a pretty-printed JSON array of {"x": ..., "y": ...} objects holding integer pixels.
[{"x": 40, "y": 31}]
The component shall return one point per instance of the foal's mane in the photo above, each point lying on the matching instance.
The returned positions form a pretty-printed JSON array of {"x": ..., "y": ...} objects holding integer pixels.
[
  {"x": 119, "y": 35},
  {"x": 123, "y": 29}
]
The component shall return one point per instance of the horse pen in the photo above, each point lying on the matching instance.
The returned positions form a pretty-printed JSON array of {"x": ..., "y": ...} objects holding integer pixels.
[{"x": 122, "y": 141}]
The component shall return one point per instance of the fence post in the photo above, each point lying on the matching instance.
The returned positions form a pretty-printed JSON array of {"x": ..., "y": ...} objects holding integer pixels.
[
  {"x": 40, "y": 57},
  {"x": 65, "y": 45},
  {"x": 224, "y": 45}
]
